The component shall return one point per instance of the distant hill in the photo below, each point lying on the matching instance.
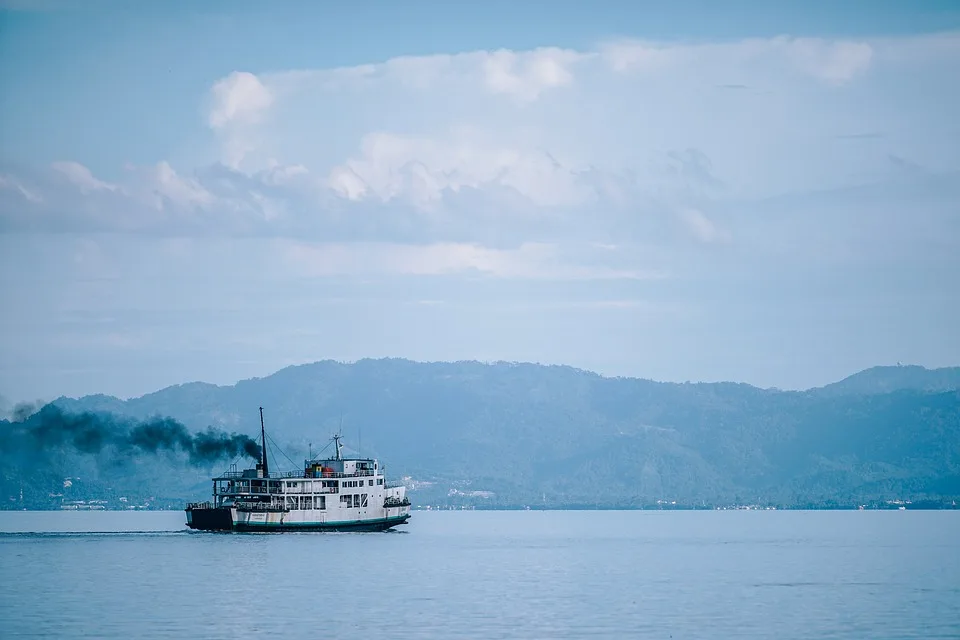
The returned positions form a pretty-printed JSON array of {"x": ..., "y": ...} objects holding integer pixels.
[
  {"x": 519, "y": 434},
  {"x": 896, "y": 378}
]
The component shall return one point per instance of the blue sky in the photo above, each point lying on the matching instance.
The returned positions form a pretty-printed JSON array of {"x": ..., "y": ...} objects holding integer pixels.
[{"x": 761, "y": 192}]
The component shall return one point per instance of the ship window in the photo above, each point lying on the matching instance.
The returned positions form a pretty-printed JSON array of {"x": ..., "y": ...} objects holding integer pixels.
[
  {"x": 321, "y": 502},
  {"x": 306, "y": 502},
  {"x": 363, "y": 499},
  {"x": 369, "y": 483},
  {"x": 356, "y": 500},
  {"x": 380, "y": 481}
]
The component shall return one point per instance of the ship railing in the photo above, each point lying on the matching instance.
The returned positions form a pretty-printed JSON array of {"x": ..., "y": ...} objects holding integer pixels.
[
  {"x": 236, "y": 493},
  {"x": 338, "y": 474},
  {"x": 232, "y": 475},
  {"x": 281, "y": 475},
  {"x": 243, "y": 491},
  {"x": 287, "y": 474},
  {"x": 277, "y": 475}
]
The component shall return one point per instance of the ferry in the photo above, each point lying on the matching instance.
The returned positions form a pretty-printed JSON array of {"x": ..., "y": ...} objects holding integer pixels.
[{"x": 331, "y": 494}]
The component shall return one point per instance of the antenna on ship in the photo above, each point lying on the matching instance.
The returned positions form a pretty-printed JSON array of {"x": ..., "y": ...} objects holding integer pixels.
[
  {"x": 337, "y": 436},
  {"x": 336, "y": 440},
  {"x": 263, "y": 440}
]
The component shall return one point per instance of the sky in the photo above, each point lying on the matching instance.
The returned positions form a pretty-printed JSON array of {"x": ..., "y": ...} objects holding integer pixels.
[{"x": 749, "y": 191}]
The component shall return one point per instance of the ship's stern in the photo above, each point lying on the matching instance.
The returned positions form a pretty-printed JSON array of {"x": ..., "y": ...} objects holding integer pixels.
[{"x": 205, "y": 517}]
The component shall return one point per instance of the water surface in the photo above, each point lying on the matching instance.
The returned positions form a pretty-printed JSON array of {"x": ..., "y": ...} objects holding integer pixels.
[{"x": 527, "y": 574}]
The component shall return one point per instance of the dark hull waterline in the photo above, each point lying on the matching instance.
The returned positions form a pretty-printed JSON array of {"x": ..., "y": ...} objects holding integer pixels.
[{"x": 221, "y": 520}]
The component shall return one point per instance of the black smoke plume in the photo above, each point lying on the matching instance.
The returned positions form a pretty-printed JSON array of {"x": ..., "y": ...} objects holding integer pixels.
[{"x": 51, "y": 428}]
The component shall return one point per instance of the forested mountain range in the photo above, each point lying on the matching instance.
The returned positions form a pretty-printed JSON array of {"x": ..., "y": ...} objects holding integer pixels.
[{"x": 508, "y": 435}]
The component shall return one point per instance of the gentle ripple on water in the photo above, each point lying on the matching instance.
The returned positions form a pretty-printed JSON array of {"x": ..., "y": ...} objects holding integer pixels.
[{"x": 560, "y": 574}]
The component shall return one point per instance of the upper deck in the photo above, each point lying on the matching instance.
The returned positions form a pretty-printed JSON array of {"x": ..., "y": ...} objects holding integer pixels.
[
  {"x": 332, "y": 468},
  {"x": 333, "y": 474}
]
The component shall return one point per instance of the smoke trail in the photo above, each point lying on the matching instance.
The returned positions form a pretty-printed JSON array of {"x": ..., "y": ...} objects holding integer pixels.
[{"x": 91, "y": 433}]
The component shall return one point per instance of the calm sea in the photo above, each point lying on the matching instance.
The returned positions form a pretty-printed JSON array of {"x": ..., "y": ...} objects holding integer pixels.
[{"x": 531, "y": 574}]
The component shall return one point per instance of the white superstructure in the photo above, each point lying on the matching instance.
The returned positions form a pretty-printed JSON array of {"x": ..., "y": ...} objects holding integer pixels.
[{"x": 332, "y": 494}]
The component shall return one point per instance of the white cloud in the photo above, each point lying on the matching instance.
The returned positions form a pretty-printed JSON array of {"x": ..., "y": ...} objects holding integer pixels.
[
  {"x": 529, "y": 261},
  {"x": 82, "y": 177},
  {"x": 239, "y": 102},
  {"x": 154, "y": 198},
  {"x": 238, "y": 98},
  {"x": 185, "y": 193},
  {"x": 12, "y": 183},
  {"x": 621, "y": 145},
  {"x": 347, "y": 183},
  {"x": 702, "y": 228},
  {"x": 833, "y": 61},
  {"x": 413, "y": 128},
  {"x": 421, "y": 169},
  {"x": 526, "y": 75},
  {"x": 279, "y": 175},
  {"x": 521, "y": 75},
  {"x": 628, "y": 55}
]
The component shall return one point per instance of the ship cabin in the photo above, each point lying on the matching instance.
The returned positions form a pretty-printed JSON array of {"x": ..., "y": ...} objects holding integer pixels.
[{"x": 332, "y": 483}]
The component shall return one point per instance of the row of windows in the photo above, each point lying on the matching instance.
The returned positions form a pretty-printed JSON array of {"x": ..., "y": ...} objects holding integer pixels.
[
  {"x": 328, "y": 484},
  {"x": 353, "y": 500},
  {"x": 295, "y": 503},
  {"x": 302, "y": 503}
]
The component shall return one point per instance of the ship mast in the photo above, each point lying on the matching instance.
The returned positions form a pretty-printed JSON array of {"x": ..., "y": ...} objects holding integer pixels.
[
  {"x": 263, "y": 447},
  {"x": 336, "y": 438}
]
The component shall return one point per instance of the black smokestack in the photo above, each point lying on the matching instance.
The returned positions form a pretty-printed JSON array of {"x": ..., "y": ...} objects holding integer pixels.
[{"x": 87, "y": 432}]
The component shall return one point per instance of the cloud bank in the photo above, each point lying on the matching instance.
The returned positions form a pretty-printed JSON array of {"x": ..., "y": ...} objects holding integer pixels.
[{"x": 495, "y": 161}]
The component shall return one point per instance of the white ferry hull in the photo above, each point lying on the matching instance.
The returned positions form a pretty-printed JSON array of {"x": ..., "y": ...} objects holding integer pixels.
[{"x": 226, "y": 519}]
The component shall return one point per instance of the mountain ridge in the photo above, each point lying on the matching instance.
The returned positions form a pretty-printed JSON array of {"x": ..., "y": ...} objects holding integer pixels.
[
  {"x": 937, "y": 378},
  {"x": 516, "y": 433}
]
